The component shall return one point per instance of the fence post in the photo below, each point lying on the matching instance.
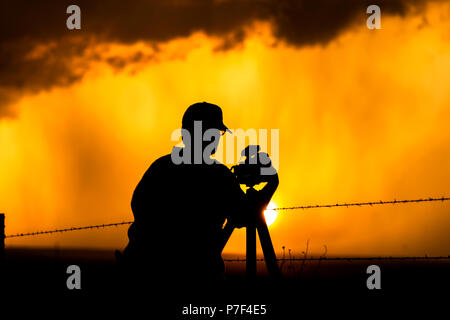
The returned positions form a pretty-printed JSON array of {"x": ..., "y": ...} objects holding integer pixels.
[{"x": 2, "y": 236}]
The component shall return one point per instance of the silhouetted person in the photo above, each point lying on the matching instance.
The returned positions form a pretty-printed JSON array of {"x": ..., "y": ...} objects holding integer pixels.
[{"x": 181, "y": 203}]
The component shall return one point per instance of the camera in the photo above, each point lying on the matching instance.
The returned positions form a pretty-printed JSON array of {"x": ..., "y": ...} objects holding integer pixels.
[{"x": 248, "y": 171}]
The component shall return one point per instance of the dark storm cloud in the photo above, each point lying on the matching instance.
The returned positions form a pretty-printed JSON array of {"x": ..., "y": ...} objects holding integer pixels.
[{"x": 28, "y": 24}]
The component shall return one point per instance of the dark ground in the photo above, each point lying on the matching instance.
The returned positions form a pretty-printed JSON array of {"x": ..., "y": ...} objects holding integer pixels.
[{"x": 320, "y": 287}]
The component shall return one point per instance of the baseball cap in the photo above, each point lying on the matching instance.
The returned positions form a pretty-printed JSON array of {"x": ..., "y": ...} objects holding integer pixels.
[{"x": 210, "y": 114}]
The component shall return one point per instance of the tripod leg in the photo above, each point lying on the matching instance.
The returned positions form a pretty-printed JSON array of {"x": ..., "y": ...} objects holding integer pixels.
[
  {"x": 251, "y": 252},
  {"x": 267, "y": 247},
  {"x": 227, "y": 231}
]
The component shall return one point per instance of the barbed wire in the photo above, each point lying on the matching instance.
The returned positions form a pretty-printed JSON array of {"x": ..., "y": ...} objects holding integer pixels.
[
  {"x": 346, "y": 259},
  {"x": 68, "y": 229},
  {"x": 358, "y": 204}
]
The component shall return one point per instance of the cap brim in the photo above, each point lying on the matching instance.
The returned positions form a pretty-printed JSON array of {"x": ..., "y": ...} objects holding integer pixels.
[{"x": 224, "y": 128}]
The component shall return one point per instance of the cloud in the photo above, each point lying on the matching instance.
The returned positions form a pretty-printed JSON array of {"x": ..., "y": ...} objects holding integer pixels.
[{"x": 38, "y": 52}]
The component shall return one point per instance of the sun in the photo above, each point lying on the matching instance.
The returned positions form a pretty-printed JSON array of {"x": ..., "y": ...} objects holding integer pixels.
[{"x": 270, "y": 215}]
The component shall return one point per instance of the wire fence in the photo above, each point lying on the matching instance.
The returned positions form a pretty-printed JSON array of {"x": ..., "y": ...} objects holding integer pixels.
[
  {"x": 360, "y": 204},
  {"x": 424, "y": 258},
  {"x": 68, "y": 229},
  {"x": 347, "y": 205}
]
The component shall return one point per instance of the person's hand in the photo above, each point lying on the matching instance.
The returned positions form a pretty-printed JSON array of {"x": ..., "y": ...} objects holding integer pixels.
[
  {"x": 270, "y": 175},
  {"x": 267, "y": 169}
]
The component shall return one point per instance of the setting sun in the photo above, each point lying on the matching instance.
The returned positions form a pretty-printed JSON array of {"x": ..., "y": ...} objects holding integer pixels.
[{"x": 269, "y": 214}]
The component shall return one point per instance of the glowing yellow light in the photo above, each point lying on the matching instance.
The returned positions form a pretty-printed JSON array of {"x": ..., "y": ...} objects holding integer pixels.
[{"x": 269, "y": 214}]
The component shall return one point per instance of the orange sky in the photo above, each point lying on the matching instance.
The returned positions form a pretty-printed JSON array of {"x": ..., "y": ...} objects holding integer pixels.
[{"x": 363, "y": 117}]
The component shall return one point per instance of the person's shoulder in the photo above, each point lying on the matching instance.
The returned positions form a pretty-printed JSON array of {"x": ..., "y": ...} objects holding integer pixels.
[
  {"x": 159, "y": 164},
  {"x": 162, "y": 161}
]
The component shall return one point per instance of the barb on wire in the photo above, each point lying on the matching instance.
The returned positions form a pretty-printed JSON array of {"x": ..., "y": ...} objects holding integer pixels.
[{"x": 359, "y": 204}]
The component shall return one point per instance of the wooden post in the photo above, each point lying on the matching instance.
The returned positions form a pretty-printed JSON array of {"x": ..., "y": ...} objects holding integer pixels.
[
  {"x": 267, "y": 247},
  {"x": 251, "y": 252},
  {"x": 2, "y": 236}
]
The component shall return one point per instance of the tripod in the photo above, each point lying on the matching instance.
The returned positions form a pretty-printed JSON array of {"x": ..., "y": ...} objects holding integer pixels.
[{"x": 256, "y": 223}]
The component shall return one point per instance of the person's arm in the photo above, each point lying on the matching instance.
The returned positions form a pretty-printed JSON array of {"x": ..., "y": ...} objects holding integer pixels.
[
  {"x": 242, "y": 206},
  {"x": 266, "y": 193}
]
